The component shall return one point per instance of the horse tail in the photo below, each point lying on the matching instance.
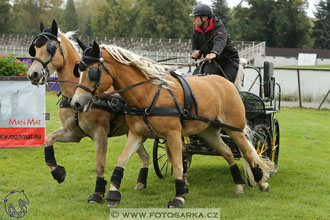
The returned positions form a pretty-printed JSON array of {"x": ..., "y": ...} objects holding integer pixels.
[{"x": 267, "y": 166}]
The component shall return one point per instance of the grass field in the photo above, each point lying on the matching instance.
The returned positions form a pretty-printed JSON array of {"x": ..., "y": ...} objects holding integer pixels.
[{"x": 300, "y": 190}]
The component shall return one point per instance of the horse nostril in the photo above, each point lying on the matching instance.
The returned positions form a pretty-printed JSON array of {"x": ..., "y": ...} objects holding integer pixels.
[
  {"x": 34, "y": 75},
  {"x": 77, "y": 106}
]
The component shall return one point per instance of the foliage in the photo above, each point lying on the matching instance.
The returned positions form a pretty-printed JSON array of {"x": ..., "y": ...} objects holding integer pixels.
[
  {"x": 4, "y": 15},
  {"x": 322, "y": 25},
  {"x": 304, "y": 158},
  {"x": 221, "y": 9},
  {"x": 291, "y": 24},
  {"x": 115, "y": 18},
  {"x": 281, "y": 23},
  {"x": 164, "y": 19},
  {"x": 70, "y": 17},
  {"x": 10, "y": 66}
]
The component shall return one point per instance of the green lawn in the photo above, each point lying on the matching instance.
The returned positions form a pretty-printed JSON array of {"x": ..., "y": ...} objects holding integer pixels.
[{"x": 300, "y": 190}]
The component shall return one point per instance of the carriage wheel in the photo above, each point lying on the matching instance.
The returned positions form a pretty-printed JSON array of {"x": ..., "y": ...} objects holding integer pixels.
[
  {"x": 276, "y": 142},
  {"x": 160, "y": 160},
  {"x": 263, "y": 141}
]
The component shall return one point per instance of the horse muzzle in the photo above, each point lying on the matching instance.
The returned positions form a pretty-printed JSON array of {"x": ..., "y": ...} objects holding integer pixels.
[
  {"x": 36, "y": 76},
  {"x": 82, "y": 103}
]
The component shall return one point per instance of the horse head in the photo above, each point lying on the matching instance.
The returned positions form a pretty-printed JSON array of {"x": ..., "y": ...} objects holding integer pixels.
[
  {"x": 90, "y": 69},
  {"x": 44, "y": 52}
]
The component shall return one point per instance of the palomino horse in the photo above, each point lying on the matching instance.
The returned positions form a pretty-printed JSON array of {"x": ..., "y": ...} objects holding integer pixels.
[
  {"x": 165, "y": 114},
  {"x": 54, "y": 51}
]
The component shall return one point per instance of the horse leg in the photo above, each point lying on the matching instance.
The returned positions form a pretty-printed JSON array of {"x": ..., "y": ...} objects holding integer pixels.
[
  {"x": 61, "y": 135},
  {"x": 261, "y": 168},
  {"x": 101, "y": 143},
  {"x": 133, "y": 143},
  {"x": 212, "y": 136},
  {"x": 142, "y": 179},
  {"x": 174, "y": 146}
]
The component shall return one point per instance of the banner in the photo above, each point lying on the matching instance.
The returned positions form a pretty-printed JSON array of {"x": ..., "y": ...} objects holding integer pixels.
[{"x": 22, "y": 114}]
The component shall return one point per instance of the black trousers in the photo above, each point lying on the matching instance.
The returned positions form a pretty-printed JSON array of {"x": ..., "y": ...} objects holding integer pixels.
[{"x": 228, "y": 70}]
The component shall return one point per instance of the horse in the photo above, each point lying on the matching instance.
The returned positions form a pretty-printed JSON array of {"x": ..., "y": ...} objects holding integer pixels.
[
  {"x": 154, "y": 101},
  {"x": 53, "y": 51}
]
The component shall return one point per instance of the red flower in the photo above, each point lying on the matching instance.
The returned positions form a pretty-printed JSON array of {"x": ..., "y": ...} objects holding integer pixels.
[{"x": 21, "y": 74}]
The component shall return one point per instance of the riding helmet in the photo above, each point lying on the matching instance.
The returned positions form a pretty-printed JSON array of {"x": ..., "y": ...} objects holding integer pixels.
[{"x": 201, "y": 10}]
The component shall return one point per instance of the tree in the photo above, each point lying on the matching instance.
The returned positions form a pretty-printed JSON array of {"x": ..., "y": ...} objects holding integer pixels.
[
  {"x": 291, "y": 24},
  {"x": 322, "y": 25},
  {"x": 281, "y": 23},
  {"x": 87, "y": 10},
  {"x": 70, "y": 17},
  {"x": 114, "y": 19},
  {"x": 164, "y": 18},
  {"x": 27, "y": 16},
  {"x": 5, "y": 16},
  {"x": 221, "y": 9}
]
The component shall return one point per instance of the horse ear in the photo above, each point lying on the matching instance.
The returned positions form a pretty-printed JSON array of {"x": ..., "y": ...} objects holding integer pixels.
[
  {"x": 54, "y": 28},
  {"x": 96, "y": 48},
  {"x": 42, "y": 27},
  {"x": 81, "y": 44}
]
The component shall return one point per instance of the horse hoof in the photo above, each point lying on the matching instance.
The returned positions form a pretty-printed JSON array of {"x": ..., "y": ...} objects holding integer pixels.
[
  {"x": 95, "y": 198},
  {"x": 175, "y": 203},
  {"x": 239, "y": 189},
  {"x": 113, "y": 198},
  {"x": 113, "y": 203},
  {"x": 139, "y": 186},
  {"x": 264, "y": 187},
  {"x": 59, "y": 174}
]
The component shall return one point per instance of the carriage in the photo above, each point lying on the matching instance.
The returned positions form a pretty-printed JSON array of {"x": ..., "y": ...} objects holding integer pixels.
[{"x": 260, "y": 112}]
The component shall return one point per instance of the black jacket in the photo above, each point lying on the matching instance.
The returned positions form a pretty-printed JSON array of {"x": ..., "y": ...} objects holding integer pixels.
[{"x": 220, "y": 43}]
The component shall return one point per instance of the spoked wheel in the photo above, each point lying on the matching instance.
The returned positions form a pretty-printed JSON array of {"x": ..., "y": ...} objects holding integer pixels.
[
  {"x": 263, "y": 141},
  {"x": 276, "y": 142},
  {"x": 160, "y": 160}
]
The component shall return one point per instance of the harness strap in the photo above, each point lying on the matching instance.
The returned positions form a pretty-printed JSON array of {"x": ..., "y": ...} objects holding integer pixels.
[
  {"x": 215, "y": 123},
  {"x": 151, "y": 108},
  {"x": 189, "y": 95}
]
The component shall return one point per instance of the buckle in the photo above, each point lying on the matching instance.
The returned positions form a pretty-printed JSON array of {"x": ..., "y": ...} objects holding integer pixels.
[
  {"x": 185, "y": 112},
  {"x": 114, "y": 102},
  {"x": 146, "y": 111}
]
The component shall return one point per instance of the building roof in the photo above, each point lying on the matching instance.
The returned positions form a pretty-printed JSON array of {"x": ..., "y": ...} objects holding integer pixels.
[{"x": 293, "y": 52}]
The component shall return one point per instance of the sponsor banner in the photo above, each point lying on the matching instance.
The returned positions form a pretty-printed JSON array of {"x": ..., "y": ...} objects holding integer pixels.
[
  {"x": 22, "y": 137},
  {"x": 22, "y": 114}
]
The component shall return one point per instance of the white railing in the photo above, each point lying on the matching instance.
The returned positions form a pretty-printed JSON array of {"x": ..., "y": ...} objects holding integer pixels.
[{"x": 156, "y": 49}]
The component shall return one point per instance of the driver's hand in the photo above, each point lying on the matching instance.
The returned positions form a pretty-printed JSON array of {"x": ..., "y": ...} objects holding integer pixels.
[
  {"x": 195, "y": 54},
  {"x": 210, "y": 56}
]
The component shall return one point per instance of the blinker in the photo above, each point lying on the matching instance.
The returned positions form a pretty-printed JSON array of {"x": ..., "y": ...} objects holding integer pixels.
[{"x": 94, "y": 74}]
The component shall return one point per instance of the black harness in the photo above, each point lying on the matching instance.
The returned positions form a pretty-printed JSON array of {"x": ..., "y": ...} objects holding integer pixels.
[{"x": 184, "y": 113}]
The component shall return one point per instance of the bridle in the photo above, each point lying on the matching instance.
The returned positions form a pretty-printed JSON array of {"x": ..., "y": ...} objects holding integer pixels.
[
  {"x": 95, "y": 73},
  {"x": 51, "y": 48}
]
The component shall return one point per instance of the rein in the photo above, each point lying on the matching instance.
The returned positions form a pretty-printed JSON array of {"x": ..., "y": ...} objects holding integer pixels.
[
  {"x": 61, "y": 81},
  {"x": 106, "y": 94}
]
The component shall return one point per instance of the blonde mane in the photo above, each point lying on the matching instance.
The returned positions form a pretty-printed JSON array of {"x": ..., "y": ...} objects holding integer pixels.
[
  {"x": 69, "y": 36},
  {"x": 152, "y": 70}
]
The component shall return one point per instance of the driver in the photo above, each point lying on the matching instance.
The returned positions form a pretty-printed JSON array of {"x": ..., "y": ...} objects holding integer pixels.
[{"x": 211, "y": 41}]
